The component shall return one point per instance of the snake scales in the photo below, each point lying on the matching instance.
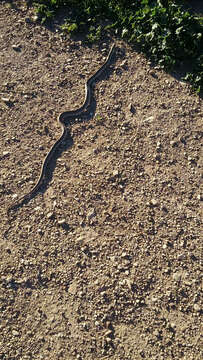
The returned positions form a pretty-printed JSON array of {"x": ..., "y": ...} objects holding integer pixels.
[{"x": 64, "y": 131}]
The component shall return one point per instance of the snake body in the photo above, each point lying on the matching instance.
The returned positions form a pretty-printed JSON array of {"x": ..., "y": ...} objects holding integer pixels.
[{"x": 64, "y": 116}]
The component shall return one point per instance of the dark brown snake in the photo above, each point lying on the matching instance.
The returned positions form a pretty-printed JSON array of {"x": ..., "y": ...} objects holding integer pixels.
[{"x": 61, "y": 119}]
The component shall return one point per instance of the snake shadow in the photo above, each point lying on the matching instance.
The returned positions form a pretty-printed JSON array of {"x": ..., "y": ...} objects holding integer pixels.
[
  {"x": 65, "y": 146},
  {"x": 85, "y": 117}
]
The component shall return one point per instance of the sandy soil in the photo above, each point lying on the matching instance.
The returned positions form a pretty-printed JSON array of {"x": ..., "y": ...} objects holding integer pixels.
[{"x": 105, "y": 262}]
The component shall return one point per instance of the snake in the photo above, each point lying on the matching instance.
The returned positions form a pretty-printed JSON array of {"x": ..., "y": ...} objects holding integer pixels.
[{"x": 61, "y": 120}]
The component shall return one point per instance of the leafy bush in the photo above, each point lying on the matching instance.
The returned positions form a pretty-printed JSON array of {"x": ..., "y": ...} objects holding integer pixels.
[{"x": 162, "y": 28}]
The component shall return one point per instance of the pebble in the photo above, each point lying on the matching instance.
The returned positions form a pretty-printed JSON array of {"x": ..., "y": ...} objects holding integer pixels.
[
  {"x": 14, "y": 196},
  {"x": 62, "y": 222},
  {"x": 35, "y": 18},
  {"x": 37, "y": 208},
  {"x": 177, "y": 276},
  {"x": 156, "y": 333},
  {"x": 153, "y": 74},
  {"x": 15, "y": 333},
  {"x": 124, "y": 63},
  {"x": 149, "y": 119},
  {"x": 158, "y": 145},
  {"x": 50, "y": 215},
  {"x": 154, "y": 299},
  {"x": 91, "y": 213},
  {"x": 131, "y": 108},
  {"x": 115, "y": 173},
  {"x": 154, "y": 202},
  {"x": 197, "y": 307},
  {"x": 173, "y": 143},
  {"x": 7, "y": 101},
  {"x": 5, "y": 153},
  {"x": 129, "y": 283},
  {"x": 180, "y": 257},
  {"x": 108, "y": 332},
  {"x": 16, "y": 47},
  {"x": 124, "y": 255},
  {"x": 108, "y": 340}
]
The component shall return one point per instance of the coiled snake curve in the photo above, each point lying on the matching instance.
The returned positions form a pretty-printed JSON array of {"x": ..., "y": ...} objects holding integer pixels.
[{"x": 64, "y": 131}]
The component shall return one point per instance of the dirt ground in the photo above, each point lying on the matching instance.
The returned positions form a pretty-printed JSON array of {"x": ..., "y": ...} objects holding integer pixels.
[{"x": 105, "y": 261}]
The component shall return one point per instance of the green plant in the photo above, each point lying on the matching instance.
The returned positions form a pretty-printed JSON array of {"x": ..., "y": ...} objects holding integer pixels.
[
  {"x": 69, "y": 27},
  {"x": 94, "y": 33},
  {"x": 164, "y": 30}
]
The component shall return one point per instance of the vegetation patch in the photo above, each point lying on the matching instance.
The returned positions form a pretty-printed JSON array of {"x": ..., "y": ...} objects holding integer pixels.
[{"x": 163, "y": 29}]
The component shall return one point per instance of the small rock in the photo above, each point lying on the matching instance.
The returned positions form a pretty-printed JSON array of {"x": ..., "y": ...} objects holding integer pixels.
[
  {"x": 115, "y": 174},
  {"x": 197, "y": 307},
  {"x": 37, "y": 208},
  {"x": 129, "y": 283},
  {"x": 16, "y": 47},
  {"x": 188, "y": 282},
  {"x": 180, "y": 257},
  {"x": 108, "y": 332},
  {"x": 62, "y": 222},
  {"x": 158, "y": 145},
  {"x": 91, "y": 213},
  {"x": 124, "y": 63},
  {"x": 5, "y": 153},
  {"x": 131, "y": 108},
  {"x": 7, "y": 101},
  {"x": 154, "y": 299},
  {"x": 35, "y": 18},
  {"x": 50, "y": 215},
  {"x": 173, "y": 143},
  {"x": 15, "y": 333},
  {"x": 154, "y": 202},
  {"x": 156, "y": 333},
  {"x": 153, "y": 74},
  {"x": 108, "y": 340},
  {"x": 14, "y": 196},
  {"x": 124, "y": 255},
  {"x": 177, "y": 276},
  {"x": 149, "y": 119}
]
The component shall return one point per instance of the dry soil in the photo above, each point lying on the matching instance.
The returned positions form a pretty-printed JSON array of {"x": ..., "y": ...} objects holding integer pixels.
[{"x": 105, "y": 261}]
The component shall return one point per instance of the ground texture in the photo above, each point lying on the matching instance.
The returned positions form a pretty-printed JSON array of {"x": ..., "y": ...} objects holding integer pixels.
[{"x": 104, "y": 263}]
